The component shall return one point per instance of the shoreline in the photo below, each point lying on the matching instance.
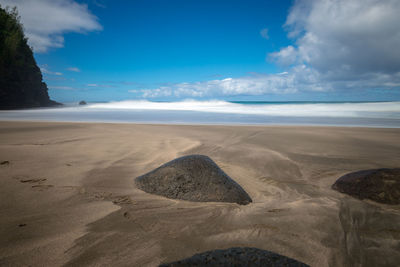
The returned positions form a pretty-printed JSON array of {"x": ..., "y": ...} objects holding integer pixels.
[
  {"x": 199, "y": 124},
  {"x": 68, "y": 197}
]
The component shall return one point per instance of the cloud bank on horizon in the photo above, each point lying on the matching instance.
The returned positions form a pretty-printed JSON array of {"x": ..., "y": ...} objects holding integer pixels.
[
  {"x": 45, "y": 21},
  {"x": 338, "y": 45}
]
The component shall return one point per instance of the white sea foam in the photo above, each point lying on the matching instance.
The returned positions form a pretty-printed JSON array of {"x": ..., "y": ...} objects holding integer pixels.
[
  {"x": 366, "y": 110},
  {"x": 378, "y": 114}
]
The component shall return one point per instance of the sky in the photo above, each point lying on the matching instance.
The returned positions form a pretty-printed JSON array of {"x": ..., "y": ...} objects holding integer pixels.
[{"x": 304, "y": 50}]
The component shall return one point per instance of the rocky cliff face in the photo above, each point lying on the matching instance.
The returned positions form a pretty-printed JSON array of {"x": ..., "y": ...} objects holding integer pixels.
[{"x": 21, "y": 84}]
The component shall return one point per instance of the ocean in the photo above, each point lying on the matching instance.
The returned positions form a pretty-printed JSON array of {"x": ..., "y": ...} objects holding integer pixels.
[{"x": 359, "y": 114}]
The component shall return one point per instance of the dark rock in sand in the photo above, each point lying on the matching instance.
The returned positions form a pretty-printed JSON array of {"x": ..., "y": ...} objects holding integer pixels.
[
  {"x": 82, "y": 103},
  {"x": 194, "y": 178},
  {"x": 380, "y": 185},
  {"x": 236, "y": 257}
]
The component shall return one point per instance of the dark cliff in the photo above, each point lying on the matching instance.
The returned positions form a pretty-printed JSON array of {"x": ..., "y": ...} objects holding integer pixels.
[{"x": 21, "y": 84}]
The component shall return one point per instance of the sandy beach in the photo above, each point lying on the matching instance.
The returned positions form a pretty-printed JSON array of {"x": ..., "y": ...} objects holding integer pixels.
[{"x": 68, "y": 197}]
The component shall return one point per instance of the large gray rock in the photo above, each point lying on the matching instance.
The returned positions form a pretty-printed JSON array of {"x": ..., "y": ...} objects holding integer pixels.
[
  {"x": 237, "y": 257},
  {"x": 380, "y": 185},
  {"x": 194, "y": 178}
]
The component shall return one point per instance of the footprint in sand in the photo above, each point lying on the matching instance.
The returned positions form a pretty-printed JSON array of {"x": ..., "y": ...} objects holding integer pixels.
[
  {"x": 101, "y": 195},
  {"x": 117, "y": 200},
  {"x": 42, "y": 187},
  {"x": 127, "y": 215},
  {"x": 81, "y": 190},
  {"x": 276, "y": 210},
  {"x": 37, "y": 182},
  {"x": 122, "y": 200},
  {"x": 32, "y": 181}
]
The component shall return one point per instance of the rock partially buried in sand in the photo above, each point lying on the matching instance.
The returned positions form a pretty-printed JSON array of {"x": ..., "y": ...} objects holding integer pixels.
[
  {"x": 194, "y": 178},
  {"x": 237, "y": 257},
  {"x": 380, "y": 185}
]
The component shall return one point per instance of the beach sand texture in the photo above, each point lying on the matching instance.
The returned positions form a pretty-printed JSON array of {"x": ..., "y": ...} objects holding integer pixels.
[{"x": 68, "y": 197}]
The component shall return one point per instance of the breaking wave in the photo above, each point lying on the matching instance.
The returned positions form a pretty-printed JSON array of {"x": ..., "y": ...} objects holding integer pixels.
[{"x": 287, "y": 109}]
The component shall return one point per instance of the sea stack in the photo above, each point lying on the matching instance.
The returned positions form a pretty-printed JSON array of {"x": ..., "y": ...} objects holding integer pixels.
[
  {"x": 380, "y": 185},
  {"x": 194, "y": 178},
  {"x": 237, "y": 257}
]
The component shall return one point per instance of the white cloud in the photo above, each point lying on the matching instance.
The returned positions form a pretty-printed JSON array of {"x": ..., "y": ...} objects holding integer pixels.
[
  {"x": 286, "y": 56},
  {"x": 99, "y": 3},
  {"x": 256, "y": 84},
  {"x": 61, "y": 87},
  {"x": 264, "y": 33},
  {"x": 74, "y": 69},
  {"x": 45, "y": 70},
  {"x": 350, "y": 44},
  {"x": 153, "y": 93},
  {"x": 299, "y": 78},
  {"x": 45, "y": 21}
]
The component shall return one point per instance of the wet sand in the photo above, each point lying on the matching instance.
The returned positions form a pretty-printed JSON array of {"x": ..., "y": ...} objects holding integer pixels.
[{"x": 67, "y": 195}]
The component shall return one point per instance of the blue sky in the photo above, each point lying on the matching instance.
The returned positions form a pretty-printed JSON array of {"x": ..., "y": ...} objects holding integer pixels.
[{"x": 233, "y": 50}]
